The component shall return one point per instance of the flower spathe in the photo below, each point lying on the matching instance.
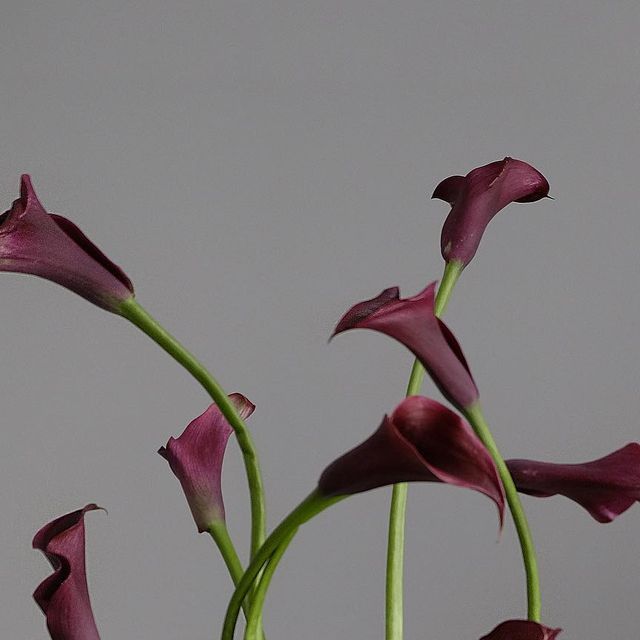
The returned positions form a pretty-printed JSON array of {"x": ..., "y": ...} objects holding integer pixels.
[
  {"x": 522, "y": 630},
  {"x": 422, "y": 440},
  {"x": 49, "y": 246},
  {"x": 196, "y": 458},
  {"x": 412, "y": 322},
  {"x": 64, "y": 595},
  {"x": 478, "y": 196},
  {"x": 605, "y": 487}
]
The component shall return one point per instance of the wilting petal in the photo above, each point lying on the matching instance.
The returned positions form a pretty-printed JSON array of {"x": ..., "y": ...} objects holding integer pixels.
[
  {"x": 421, "y": 441},
  {"x": 605, "y": 487},
  {"x": 196, "y": 459},
  {"x": 64, "y": 596},
  {"x": 478, "y": 196},
  {"x": 412, "y": 322},
  {"x": 522, "y": 630},
  {"x": 52, "y": 247}
]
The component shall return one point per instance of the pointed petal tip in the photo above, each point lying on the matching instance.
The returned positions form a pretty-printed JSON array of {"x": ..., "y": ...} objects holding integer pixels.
[
  {"x": 449, "y": 189},
  {"x": 606, "y": 487},
  {"x": 361, "y": 311},
  {"x": 53, "y": 528}
]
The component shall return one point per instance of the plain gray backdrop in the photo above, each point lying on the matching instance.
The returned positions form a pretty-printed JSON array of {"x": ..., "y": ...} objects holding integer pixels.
[{"x": 256, "y": 168}]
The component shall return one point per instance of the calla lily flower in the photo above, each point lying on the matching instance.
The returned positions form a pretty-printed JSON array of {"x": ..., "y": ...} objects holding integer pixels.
[
  {"x": 478, "y": 196},
  {"x": 424, "y": 441},
  {"x": 52, "y": 247},
  {"x": 606, "y": 487},
  {"x": 522, "y": 630},
  {"x": 64, "y": 596},
  {"x": 196, "y": 459},
  {"x": 412, "y": 322}
]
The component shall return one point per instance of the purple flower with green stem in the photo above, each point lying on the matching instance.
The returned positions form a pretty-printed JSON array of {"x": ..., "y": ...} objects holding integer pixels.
[
  {"x": 477, "y": 197},
  {"x": 196, "y": 458},
  {"x": 414, "y": 322},
  {"x": 50, "y": 246},
  {"x": 420, "y": 441}
]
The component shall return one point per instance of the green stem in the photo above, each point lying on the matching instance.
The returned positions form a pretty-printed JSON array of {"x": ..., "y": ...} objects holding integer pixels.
[
  {"x": 220, "y": 534},
  {"x": 480, "y": 426},
  {"x": 134, "y": 312},
  {"x": 254, "y": 619},
  {"x": 307, "y": 509},
  {"x": 398, "y": 512},
  {"x": 394, "y": 594}
]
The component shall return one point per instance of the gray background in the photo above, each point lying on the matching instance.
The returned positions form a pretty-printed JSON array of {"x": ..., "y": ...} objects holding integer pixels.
[{"x": 256, "y": 168}]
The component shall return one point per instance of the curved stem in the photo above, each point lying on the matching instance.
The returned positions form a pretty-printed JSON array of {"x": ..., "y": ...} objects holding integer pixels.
[
  {"x": 480, "y": 426},
  {"x": 254, "y": 618},
  {"x": 220, "y": 534},
  {"x": 307, "y": 509},
  {"x": 398, "y": 513},
  {"x": 134, "y": 312}
]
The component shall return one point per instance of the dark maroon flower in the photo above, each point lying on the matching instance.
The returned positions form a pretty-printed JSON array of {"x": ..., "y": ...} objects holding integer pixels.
[
  {"x": 64, "y": 596},
  {"x": 412, "y": 322},
  {"x": 196, "y": 459},
  {"x": 421, "y": 441},
  {"x": 606, "y": 487},
  {"x": 522, "y": 630},
  {"x": 52, "y": 247},
  {"x": 478, "y": 196}
]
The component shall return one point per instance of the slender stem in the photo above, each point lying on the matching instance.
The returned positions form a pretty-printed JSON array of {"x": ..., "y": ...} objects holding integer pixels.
[
  {"x": 254, "y": 619},
  {"x": 134, "y": 312},
  {"x": 394, "y": 597},
  {"x": 480, "y": 426},
  {"x": 394, "y": 594},
  {"x": 307, "y": 509},
  {"x": 220, "y": 534}
]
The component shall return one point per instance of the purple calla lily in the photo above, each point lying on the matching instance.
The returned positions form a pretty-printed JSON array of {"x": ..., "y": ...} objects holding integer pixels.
[
  {"x": 422, "y": 440},
  {"x": 52, "y": 247},
  {"x": 64, "y": 595},
  {"x": 606, "y": 487},
  {"x": 478, "y": 196},
  {"x": 196, "y": 457},
  {"x": 522, "y": 630},
  {"x": 412, "y": 322}
]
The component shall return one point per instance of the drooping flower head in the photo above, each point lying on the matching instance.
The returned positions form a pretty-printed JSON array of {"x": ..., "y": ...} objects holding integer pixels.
[
  {"x": 52, "y": 247},
  {"x": 478, "y": 196},
  {"x": 522, "y": 630},
  {"x": 412, "y": 322},
  {"x": 64, "y": 595},
  {"x": 196, "y": 457},
  {"x": 422, "y": 440},
  {"x": 606, "y": 487}
]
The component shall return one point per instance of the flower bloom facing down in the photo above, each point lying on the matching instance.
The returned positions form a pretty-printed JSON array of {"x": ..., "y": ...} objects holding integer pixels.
[
  {"x": 412, "y": 322},
  {"x": 421, "y": 441},
  {"x": 606, "y": 487},
  {"x": 522, "y": 630},
  {"x": 196, "y": 459},
  {"x": 52, "y": 247},
  {"x": 478, "y": 196},
  {"x": 64, "y": 596}
]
